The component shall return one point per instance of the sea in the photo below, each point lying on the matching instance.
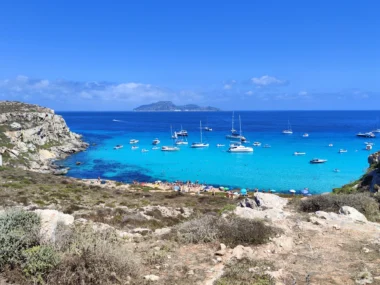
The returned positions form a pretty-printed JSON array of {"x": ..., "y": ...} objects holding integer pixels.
[{"x": 275, "y": 168}]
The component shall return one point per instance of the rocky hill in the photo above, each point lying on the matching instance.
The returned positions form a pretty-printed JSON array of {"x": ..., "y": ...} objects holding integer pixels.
[
  {"x": 168, "y": 106},
  {"x": 31, "y": 137}
]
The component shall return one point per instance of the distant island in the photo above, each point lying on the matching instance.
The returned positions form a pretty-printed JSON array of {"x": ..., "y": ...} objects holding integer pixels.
[{"x": 168, "y": 106}]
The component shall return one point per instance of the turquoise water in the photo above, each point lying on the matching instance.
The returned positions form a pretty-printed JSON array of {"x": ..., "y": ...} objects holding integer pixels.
[{"x": 275, "y": 168}]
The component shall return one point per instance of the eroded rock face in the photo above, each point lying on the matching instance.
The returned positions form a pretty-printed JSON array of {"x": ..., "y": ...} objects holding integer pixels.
[
  {"x": 49, "y": 222},
  {"x": 352, "y": 213},
  {"x": 35, "y": 136}
]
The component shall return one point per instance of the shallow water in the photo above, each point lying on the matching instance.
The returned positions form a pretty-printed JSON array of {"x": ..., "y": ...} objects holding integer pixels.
[{"x": 276, "y": 167}]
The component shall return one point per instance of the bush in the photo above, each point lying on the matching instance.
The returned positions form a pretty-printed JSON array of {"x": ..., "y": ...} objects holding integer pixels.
[
  {"x": 18, "y": 231},
  {"x": 38, "y": 262},
  {"x": 94, "y": 258},
  {"x": 362, "y": 202},
  {"x": 232, "y": 231}
]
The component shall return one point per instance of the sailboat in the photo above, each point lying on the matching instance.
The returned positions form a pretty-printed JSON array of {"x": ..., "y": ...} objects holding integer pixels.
[
  {"x": 182, "y": 133},
  {"x": 238, "y": 147},
  {"x": 377, "y": 130},
  {"x": 171, "y": 148},
  {"x": 174, "y": 136},
  {"x": 234, "y": 134},
  {"x": 207, "y": 128},
  {"x": 200, "y": 144},
  {"x": 183, "y": 141},
  {"x": 288, "y": 131}
]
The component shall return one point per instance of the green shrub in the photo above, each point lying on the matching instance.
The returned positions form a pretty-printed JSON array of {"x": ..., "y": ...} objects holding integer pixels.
[
  {"x": 18, "y": 231},
  {"x": 363, "y": 202},
  {"x": 38, "y": 262}
]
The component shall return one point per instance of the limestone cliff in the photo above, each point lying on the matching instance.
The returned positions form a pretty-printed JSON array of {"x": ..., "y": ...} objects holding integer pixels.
[{"x": 31, "y": 137}]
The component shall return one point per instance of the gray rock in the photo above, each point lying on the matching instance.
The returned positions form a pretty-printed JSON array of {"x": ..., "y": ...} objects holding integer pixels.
[
  {"x": 151, "y": 277},
  {"x": 49, "y": 222},
  {"x": 352, "y": 213},
  {"x": 240, "y": 252},
  {"x": 364, "y": 277},
  {"x": 15, "y": 125}
]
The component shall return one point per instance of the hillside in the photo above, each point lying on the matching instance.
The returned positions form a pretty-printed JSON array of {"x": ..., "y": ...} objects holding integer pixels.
[
  {"x": 31, "y": 137},
  {"x": 168, "y": 106}
]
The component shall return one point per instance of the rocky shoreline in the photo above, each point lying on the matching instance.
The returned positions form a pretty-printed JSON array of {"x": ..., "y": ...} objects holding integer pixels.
[{"x": 34, "y": 137}]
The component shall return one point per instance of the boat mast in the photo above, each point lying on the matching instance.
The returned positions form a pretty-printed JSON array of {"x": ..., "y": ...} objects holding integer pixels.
[
  {"x": 200, "y": 127},
  {"x": 241, "y": 134},
  {"x": 233, "y": 114}
]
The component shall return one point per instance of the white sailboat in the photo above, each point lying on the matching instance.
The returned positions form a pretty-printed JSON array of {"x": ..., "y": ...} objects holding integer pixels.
[
  {"x": 238, "y": 147},
  {"x": 288, "y": 131},
  {"x": 234, "y": 134},
  {"x": 171, "y": 148},
  {"x": 174, "y": 136},
  {"x": 200, "y": 144}
]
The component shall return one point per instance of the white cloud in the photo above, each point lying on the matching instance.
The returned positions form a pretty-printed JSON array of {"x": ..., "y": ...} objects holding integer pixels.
[
  {"x": 249, "y": 93},
  {"x": 267, "y": 80},
  {"x": 227, "y": 86},
  {"x": 303, "y": 93}
]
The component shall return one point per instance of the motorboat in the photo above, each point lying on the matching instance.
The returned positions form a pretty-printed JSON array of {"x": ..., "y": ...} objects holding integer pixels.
[
  {"x": 170, "y": 148},
  {"x": 155, "y": 142},
  {"x": 234, "y": 133},
  {"x": 134, "y": 147},
  {"x": 342, "y": 150},
  {"x": 220, "y": 145},
  {"x": 336, "y": 170},
  {"x": 267, "y": 146},
  {"x": 368, "y": 147},
  {"x": 181, "y": 142},
  {"x": 182, "y": 133},
  {"x": 119, "y": 146},
  {"x": 144, "y": 150},
  {"x": 155, "y": 148},
  {"x": 317, "y": 160},
  {"x": 305, "y": 135},
  {"x": 257, "y": 144},
  {"x": 288, "y": 131},
  {"x": 366, "y": 135},
  {"x": 133, "y": 141},
  {"x": 207, "y": 129},
  {"x": 240, "y": 148},
  {"x": 331, "y": 145},
  {"x": 200, "y": 144},
  {"x": 299, "y": 153}
]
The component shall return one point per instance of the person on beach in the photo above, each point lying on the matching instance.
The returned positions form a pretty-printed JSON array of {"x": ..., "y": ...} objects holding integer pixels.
[{"x": 99, "y": 179}]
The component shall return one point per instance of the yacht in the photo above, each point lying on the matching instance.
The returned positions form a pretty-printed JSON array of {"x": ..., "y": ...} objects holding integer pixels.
[
  {"x": 133, "y": 141},
  {"x": 182, "y": 133},
  {"x": 234, "y": 134},
  {"x": 305, "y": 135},
  {"x": 267, "y": 146},
  {"x": 299, "y": 153},
  {"x": 119, "y": 146},
  {"x": 240, "y": 148},
  {"x": 317, "y": 160},
  {"x": 170, "y": 148},
  {"x": 288, "y": 131},
  {"x": 366, "y": 135},
  {"x": 342, "y": 150},
  {"x": 155, "y": 142},
  {"x": 134, "y": 147},
  {"x": 257, "y": 144},
  {"x": 200, "y": 144}
]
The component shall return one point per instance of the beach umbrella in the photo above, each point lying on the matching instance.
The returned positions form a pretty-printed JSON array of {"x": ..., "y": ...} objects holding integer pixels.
[
  {"x": 226, "y": 188},
  {"x": 272, "y": 190},
  {"x": 221, "y": 188},
  {"x": 176, "y": 187},
  {"x": 292, "y": 191}
]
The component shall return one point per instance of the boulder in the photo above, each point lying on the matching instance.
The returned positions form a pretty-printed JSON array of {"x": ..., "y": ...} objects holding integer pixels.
[
  {"x": 15, "y": 126},
  {"x": 222, "y": 250},
  {"x": 49, "y": 222},
  {"x": 240, "y": 252},
  {"x": 151, "y": 277},
  {"x": 162, "y": 231},
  {"x": 352, "y": 213}
]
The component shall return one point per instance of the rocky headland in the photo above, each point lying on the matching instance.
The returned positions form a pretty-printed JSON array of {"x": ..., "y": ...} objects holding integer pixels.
[{"x": 32, "y": 137}]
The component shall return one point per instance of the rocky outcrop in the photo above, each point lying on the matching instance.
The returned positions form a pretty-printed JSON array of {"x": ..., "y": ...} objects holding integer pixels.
[{"x": 32, "y": 137}]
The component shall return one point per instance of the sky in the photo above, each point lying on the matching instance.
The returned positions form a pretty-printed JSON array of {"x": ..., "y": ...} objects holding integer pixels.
[{"x": 235, "y": 55}]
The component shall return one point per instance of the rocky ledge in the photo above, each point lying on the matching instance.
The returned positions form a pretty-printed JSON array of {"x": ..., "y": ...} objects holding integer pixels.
[{"x": 33, "y": 137}]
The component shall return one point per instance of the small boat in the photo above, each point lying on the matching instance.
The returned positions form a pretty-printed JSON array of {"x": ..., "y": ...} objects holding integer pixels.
[
  {"x": 368, "y": 147},
  {"x": 376, "y": 131},
  {"x": 134, "y": 147},
  {"x": 133, "y": 141},
  {"x": 200, "y": 144},
  {"x": 220, "y": 145},
  {"x": 317, "y": 160},
  {"x": 144, "y": 150},
  {"x": 207, "y": 129},
  {"x": 366, "y": 135},
  {"x": 331, "y": 145},
  {"x": 305, "y": 135},
  {"x": 369, "y": 143},
  {"x": 336, "y": 170},
  {"x": 267, "y": 146},
  {"x": 234, "y": 134},
  {"x": 288, "y": 131},
  {"x": 182, "y": 133},
  {"x": 181, "y": 142},
  {"x": 119, "y": 146},
  {"x": 155, "y": 142},
  {"x": 155, "y": 148},
  {"x": 257, "y": 144},
  {"x": 299, "y": 153},
  {"x": 342, "y": 150},
  {"x": 169, "y": 148},
  {"x": 174, "y": 136},
  {"x": 240, "y": 148}
]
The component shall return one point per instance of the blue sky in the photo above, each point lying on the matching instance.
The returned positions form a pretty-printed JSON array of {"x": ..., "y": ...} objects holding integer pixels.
[{"x": 251, "y": 55}]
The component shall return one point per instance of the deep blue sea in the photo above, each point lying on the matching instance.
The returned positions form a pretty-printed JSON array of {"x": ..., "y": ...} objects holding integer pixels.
[{"x": 266, "y": 168}]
